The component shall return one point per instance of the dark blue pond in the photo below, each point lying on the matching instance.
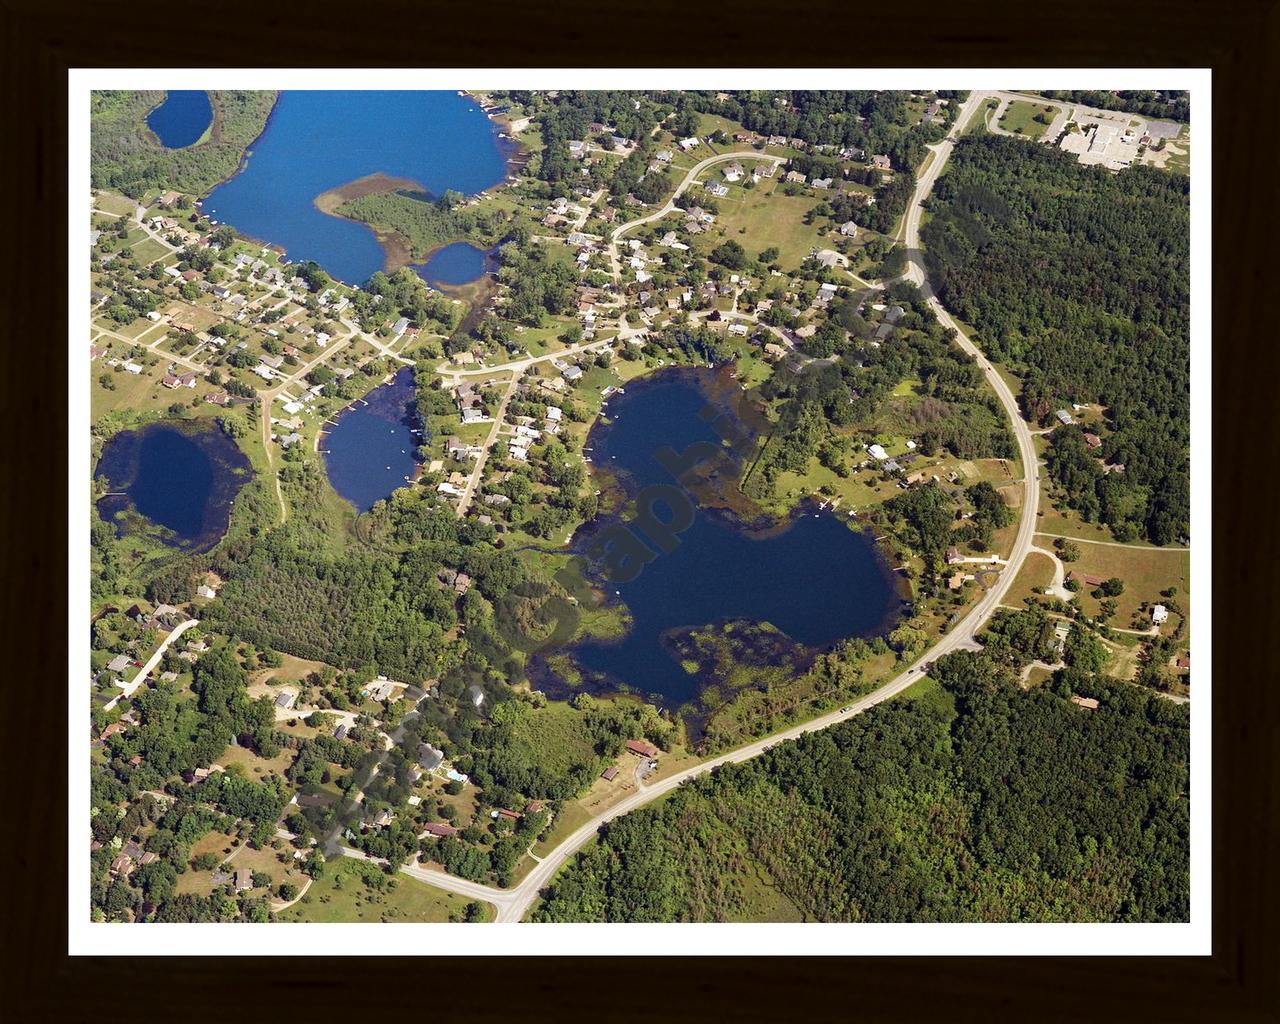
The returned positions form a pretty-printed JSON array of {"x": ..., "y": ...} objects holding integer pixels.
[
  {"x": 182, "y": 118},
  {"x": 316, "y": 141},
  {"x": 814, "y": 578},
  {"x": 182, "y": 477},
  {"x": 459, "y": 263},
  {"x": 371, "y": 448}
]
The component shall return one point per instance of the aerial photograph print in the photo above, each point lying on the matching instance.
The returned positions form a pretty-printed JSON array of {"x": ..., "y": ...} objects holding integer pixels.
[{"x": 677, "y": 505}]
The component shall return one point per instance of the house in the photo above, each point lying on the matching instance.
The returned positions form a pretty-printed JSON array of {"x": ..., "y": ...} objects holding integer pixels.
[
  {"x": 849, "y": 229},
  {"x": 340, "y": 733},
  {"x": 1063, "y": 417},
  {"x": 1159, "y": 614},
  {"x": 881, "y": 162},
  {"x": 122, "y": 865},
  {"x": 429, "y": 757},
  {"x": 824, "y": 183},
  {"x": 877, "y": 452},
  {"x": 1183, "y": 663},
  {"x": 774, "y": 351},
  {"x": 111, "y": 730},
  {"x": 286, "y": 699},
  {"x": 795, "y": 177},
  {"x": 642, "y": 748},
  {"x": 244, "y": 880},
  {"x": 1085, "y": 579},
  {"x": 733, "y": 172},
  {"x": 119, "y": 663},
  {"x": 399, "y": 326},
  {"x": 1092, "y": 440},
  {"x": 956, "y": 581},
  {"x": 571, "y": 373},
  {"x": 763, "y": 170},
  {"x": 953, "y": 556},
  {"x": 688, "y": 144},
  {"x": 438, "y": 829},
  {"x": 131, "y": 367},
  {"x": 1089, "y": 703},
  {"x": 609, "y": 773}
]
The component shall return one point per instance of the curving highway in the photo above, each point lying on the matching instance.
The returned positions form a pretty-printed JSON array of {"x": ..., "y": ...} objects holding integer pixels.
[{"x": 512, "y": 904}]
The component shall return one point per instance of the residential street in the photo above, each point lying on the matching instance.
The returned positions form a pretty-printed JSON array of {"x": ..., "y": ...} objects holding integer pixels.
[{"x": 129, "y": 688}]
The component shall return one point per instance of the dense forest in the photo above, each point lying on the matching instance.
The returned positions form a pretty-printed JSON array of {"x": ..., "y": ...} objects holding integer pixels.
[
  {"x": 877, "y": 121},
  {"x": 426, "y": 223},
  {"x": 1174, "y": 104},
  {"x": 125, "y": 155},
  {"x": 1080, "y": 279},
  {"x": 855, "y": 386},
  {"x": 976, "y": 802}
]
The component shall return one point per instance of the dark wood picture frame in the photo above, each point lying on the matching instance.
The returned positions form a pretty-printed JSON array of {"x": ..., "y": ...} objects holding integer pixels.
[{"x": 1236, "y": 38}]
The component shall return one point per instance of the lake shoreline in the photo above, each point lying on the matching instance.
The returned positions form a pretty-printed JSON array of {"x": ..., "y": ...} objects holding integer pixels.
[{"x": 807, "y": 535}]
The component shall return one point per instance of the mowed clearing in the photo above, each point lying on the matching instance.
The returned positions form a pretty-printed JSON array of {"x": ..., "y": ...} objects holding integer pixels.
[
  {"x": 771, "y": 220},
  {"x": 1036, "y": 571},
  {"x": 343, "y": 896},
  {"x": 1145, "y": 572}
]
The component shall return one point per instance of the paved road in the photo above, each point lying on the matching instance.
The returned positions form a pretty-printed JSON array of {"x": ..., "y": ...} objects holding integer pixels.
[
  {"x": 1113, "y": 543},
  {"x": 452, "y": 374},
  {"x": 512, "y": 904},
  {"x": 689, "y": 179},
  {"x": 473, "y": 480},
  {"x": 130, "y": 688}
]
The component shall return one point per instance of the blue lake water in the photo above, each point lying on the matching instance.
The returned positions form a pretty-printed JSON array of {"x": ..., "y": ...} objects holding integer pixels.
[
  {"x": 371, "y": 447},
  {"x": 181, "y": 476},
  {"x": 814, "y": 578},
  {"x": 459, "y": 263},
  {"x": 316, "y": 141},
  {"x": 182, "y": 118}
]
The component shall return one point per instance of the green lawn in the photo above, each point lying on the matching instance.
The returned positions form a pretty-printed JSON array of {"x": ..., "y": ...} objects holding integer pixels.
[
  {"x": 148, "y": 250},
  {"x": 1020, "y": 116},
  {"x": 345, "y": 896},
  {"x": 770, "y": 219},
  {"x": 1036, "y": 571},
  {"x": 1145, "y": 571}
]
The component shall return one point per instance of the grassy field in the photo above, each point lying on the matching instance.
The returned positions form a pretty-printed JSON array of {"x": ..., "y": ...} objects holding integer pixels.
[
  {"x": 1036, "y": 571},
  {"x": 345, "y": 896},
  {"x": 113, "y": 202},
  {"x": 148, "y": 250},
  {"x": 763, "y": 217},
  {"x": 1020, "y": 117},
  {"x": 1145, "y": 572}
]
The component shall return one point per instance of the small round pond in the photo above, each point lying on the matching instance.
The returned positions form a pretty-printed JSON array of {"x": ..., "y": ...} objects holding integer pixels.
[
  {"x": 456, "y": 264},
  {"x": 179, "y": 476},
  {"x": 183, "y": 117}
]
